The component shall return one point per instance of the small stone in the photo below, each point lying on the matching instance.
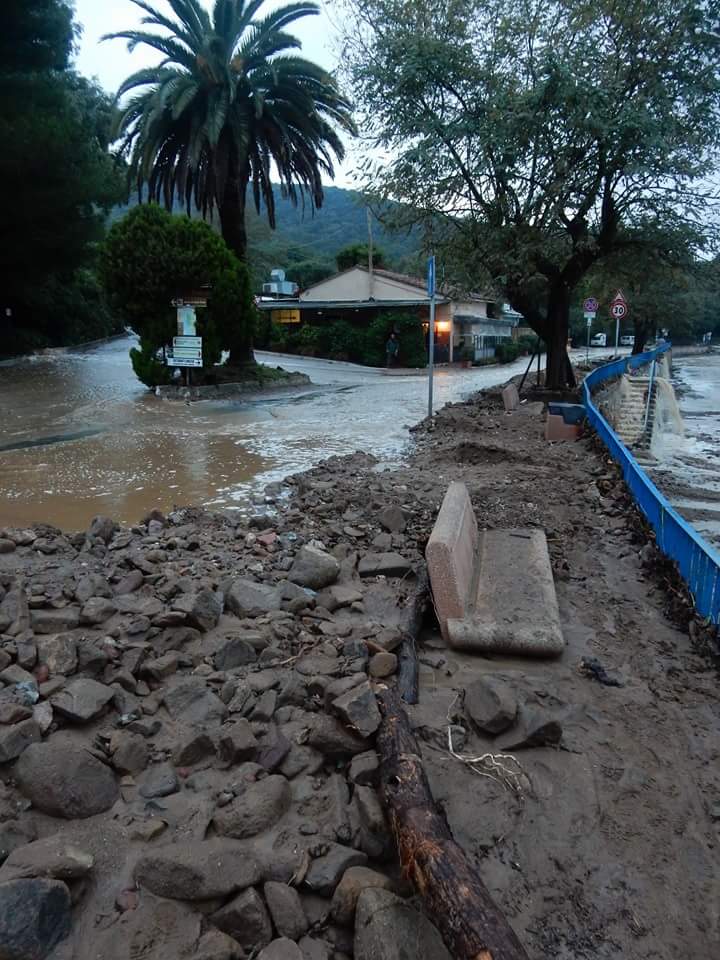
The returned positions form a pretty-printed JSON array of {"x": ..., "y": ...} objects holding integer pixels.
[
  {"x": 216, "y": 945},
  {"x": 358, "y": 707},
  {"x": 197, "y": 869},
  {"x": 129, "y": 583},
  {"x": 393, "y": 519},
  {"x": 246, "y": 598},
  {"x": 354, "y": 881},
  {"x": 97, "y": 610},
  {"x": 286, "y": 910},
  {"x": 192, "y": 703},
  {"x": 384, "y": 565},
  {"x": 15, "y": 834},
  {"x": 386, "y": 928},
  {"x": 237, "y": 742},
  {"x": 34, "y": 918},
  {"x": 491, "y": 705},
  {"x": 159, "y": 781},
  {"x": 58, "y": 653},
  {"x": 82, "y": 699},
  {"x": 203, "y": 609},
  {"x": 382, "y": 665},
  {"x": 92, "y": 585},
  {"x": 534, "y": 729},
  {"x": 13, "y": 712},
  {"x": 334, "y": 740},
  {"x": 365, "y": 769},
  {"x": 281, "y": 949},
  {"x": 326, "y": 871},
  {"x": 55, "y": 621},
  {"x": 52, "y": 857},
  {"x": 161, "y": 668},
  {"x": 235, "y": 652},
  {"x": 265, "y": 707},
  {"x": 312, "y": 949},
  {"x": 103, "y": 528},
  {"x": 314, "y": 568},
  {"x": 192, "y": 748},
  {"x": 14, "y": 740},
  {"x": 245, "y": 919},
  {"x": 257, "y": 809},
  {"x": 130, "y": 754},
  {"x": 7, "y": 546},
  {"x": 315, "y": 664},
  {"x": 43, "y": 716}
]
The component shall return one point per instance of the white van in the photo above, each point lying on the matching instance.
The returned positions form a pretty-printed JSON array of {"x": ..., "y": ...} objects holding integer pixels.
[
  {"x": 627, "y": 341},
  {"x": 599, "y": 340}
]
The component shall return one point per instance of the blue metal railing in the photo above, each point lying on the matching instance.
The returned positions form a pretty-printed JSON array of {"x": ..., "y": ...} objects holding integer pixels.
[{"x": 698, "y": 562}]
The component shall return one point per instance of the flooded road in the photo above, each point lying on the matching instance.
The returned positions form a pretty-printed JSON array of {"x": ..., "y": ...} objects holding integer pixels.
[{"x": 79, "y": 435}]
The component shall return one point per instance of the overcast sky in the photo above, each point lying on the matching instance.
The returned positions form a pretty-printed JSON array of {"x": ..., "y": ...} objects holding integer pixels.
[{"x": 110, "y": 62}]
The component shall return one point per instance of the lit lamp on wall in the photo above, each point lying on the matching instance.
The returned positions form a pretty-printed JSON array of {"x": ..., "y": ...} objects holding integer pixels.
[{"x": 442, "y": 326}]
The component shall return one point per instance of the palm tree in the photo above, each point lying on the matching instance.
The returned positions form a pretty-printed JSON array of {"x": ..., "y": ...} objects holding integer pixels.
[{"x": 228, "y": 107}]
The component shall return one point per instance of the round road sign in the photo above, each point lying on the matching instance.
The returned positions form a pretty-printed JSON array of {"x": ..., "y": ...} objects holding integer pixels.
[
  {"x": 590, "y": 305},
  {"x": 618, "y": 310}
]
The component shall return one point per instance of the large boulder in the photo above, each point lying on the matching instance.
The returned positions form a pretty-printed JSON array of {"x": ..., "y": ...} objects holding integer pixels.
[
  {"x": 34, "y": 918},
  {"x": 257, "y": 809},
  {"x": 314, "y": 568},
  {"x": 198, "y": 869},
  {"x": 388, "y": 928},
  {"x": 245, "y": 598},
  {"x": 65, "y": 780}
]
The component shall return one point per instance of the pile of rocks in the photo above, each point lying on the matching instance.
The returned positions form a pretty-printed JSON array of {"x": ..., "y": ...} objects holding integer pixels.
[{"x": 187, "y": 720}]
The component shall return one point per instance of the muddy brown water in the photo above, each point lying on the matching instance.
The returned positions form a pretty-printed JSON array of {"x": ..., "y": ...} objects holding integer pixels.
[{"x": 79, "y": 435}]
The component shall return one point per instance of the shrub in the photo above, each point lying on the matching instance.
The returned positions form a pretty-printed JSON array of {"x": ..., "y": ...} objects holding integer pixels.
[
  {"x": 149, "y": 369},
  {"x": 507, "y": 352}
]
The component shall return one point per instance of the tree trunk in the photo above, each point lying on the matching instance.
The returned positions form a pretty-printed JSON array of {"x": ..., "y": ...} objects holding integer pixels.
[
  {"x": 559, "y": 369},
  {"x": 232, "y": 224},
  {"x": 455, "y": 897},
  {"x": 642, "y": 334}
]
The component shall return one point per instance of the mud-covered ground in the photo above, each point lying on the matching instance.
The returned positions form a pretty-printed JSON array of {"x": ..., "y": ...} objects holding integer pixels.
[{"x": 225, "y": 717}]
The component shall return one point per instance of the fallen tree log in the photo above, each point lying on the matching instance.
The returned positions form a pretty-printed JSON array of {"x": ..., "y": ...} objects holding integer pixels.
[
  {"x": 413, "y": 615},
  {"x": 456, "y": 899}
]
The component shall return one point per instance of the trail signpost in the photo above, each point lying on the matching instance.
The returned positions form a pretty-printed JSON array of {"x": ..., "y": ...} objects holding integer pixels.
[{"x": 618, "y": 310}]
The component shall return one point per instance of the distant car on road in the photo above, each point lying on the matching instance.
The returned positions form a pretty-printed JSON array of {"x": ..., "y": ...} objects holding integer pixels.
[
  {"x": 627, "y": 341},
  {"x": 599, "y": 340}
]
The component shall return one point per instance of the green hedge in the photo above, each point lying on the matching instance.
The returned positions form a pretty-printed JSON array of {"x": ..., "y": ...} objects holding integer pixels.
[
  {"x": 341, "y": 340},
  {"x": 507, "y": 352}
]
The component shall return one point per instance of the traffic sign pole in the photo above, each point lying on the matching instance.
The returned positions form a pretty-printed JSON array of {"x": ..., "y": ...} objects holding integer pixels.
[{"x": 431, "y": 331}]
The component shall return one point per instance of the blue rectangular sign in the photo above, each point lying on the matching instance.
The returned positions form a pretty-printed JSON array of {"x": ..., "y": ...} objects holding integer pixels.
[{"x": 431, "y": 277}]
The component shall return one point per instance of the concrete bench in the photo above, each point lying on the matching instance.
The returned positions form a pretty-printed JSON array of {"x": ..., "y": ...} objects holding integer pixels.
[
  {"x": 493, "y": 592},
  {"x": 565, "y": 421}
]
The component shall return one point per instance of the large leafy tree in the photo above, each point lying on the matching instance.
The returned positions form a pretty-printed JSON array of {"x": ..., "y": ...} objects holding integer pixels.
[
  {"x": 230, "y": 107},
  {"x": 58, "y": 181},
  {"x": 535, "y": 138}
]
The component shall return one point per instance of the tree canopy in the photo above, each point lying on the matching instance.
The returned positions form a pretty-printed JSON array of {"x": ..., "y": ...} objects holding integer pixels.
[
  {"x": 58, "y": 179},
  {"x": 535, "y": 138},
  {"x": 356, "y": 253},
  {"x": 229, "y": 106}
]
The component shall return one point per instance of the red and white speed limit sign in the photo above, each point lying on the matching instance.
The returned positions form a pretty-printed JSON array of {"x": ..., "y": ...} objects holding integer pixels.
[{"x": 618, "y": 309}]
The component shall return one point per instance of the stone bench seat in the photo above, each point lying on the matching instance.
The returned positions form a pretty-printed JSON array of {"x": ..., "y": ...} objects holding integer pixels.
[{"x": 493, "y": 591}]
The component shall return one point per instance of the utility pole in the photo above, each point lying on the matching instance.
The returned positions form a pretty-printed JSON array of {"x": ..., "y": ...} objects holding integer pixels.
[{"x": 370, "y": 255}]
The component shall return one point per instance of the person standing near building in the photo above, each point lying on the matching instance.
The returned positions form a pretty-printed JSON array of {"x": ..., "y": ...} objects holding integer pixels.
[{"x": 392, "y": 349}]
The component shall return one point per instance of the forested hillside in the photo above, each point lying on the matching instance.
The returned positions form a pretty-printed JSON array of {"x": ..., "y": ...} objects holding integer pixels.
[{"x": 305, "y": 243}]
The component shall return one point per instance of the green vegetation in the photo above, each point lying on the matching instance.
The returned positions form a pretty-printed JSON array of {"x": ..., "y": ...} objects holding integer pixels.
[
  {"x": 507, "y": 352},
  {"x": 534, "y": 140},
  {"x": 229, "y": 100},
  {"x": 341, "y": 340},
  {"x": 358, "y": 253},
  {"x": 149, "y": 259},
  {"x": 58, "y": 181}
]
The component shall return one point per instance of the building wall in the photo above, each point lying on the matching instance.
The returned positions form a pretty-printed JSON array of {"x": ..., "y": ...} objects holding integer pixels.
[{"x": 355, "y": 285}]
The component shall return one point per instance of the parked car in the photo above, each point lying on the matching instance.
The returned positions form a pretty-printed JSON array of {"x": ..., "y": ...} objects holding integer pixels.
[
  {"x": 599, "y": 340},
  {"x": 627, "y": 340}
]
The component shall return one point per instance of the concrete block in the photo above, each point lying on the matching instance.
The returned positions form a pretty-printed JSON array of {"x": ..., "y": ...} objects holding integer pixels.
[
  {"x": 515, "y": 608},
  {"x": 570, "y": 412},
  {"x": 451, "y": 555},
  {"x": 557, "y": 429},
  {"x": 510, "y": 397}
]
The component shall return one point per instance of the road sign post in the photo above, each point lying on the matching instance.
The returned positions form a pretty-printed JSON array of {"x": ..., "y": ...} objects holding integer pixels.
[
  {"x": 431, "y": 331},
  {"x": 590, "y": 306},
  {"x": 618, "y": 309}
]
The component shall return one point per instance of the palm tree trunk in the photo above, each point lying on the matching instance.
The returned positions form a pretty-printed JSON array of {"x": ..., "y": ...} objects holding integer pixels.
[{"x": 232, "y": 225}]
